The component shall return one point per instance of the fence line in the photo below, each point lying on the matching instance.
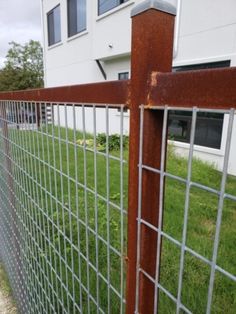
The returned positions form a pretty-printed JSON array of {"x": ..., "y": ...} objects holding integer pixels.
[
  {"x": 97, "y": 222},
  {"x": 62, "y": 210}
]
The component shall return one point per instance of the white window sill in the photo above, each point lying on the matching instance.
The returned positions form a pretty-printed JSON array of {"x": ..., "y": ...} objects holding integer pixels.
[
  {"x": 78, "y": 35},
  {"x": 55, "y": 45},
  {"x": 198, "y": 148},
  {"x": 114, "y": 10}
]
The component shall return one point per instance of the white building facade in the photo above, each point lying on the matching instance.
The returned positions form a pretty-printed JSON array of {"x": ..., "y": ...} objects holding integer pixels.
[{"x": 89, "y": 41}]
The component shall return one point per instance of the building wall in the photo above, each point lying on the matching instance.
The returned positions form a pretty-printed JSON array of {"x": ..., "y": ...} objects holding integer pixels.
[
  {"x": 207, "y": 34},
  {"x": 72, "y": 61}
]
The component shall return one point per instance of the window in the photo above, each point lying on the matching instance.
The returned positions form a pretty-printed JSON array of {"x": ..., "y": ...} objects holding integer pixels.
[
  {"x": 123, "y": 76},
  {"x": 202, "y": 66},
  {"x": 208, "y": 126},
  {"x": 107, "y": 5},
  {"x": 76, "y": 10},
  {"x": 54, "y": 26}
]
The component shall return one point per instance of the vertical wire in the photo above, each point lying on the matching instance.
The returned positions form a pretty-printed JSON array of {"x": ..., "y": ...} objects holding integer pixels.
[
  {"x": 19, "y": 178},
  {"x": 14, "y": 213},
  {"x": 25, "y": 183},
  {"x": 161, "y": 202},
  {"x": 139, "y": 207},
  {"x": 86, "y": 205},
  {"x": 51, "y": 205},
  {"x": 8, "y": 118},
  {"x": 77, "y": 204},
  {"x": 18, "y": 213},
  {"x": 30, "y": 189},
  {"x": 108, "y": 210},
  {"x": 49, "y": 273},
  {"x": 62, "y": 200},
  {"x": 57, "y": 207},
  {"x": 220, "y": 209},
  {"x": 186, "y": 208},
  {"x": 96, "y": 200},
  {"x": 45, "y": 198},
  {"x": 41, "y": 203},
  {"x": 69, "y": 204},
  {"x": 9, "y": 187},
  {"x": 30, "y": 169},
  {"x": 122, "y": 208}
]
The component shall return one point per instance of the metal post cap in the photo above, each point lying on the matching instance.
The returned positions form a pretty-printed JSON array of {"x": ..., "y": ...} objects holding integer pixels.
[{"x": 160, "y": 5}]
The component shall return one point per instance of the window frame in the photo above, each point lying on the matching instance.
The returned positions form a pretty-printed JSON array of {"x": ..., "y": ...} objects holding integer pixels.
[
  {"x": 48, "y": 27},
  {"x": 69, "y": 35},
  {"x": 123, "y": 73},
  {"x": 125, "y": 110},
  {"x": 99, "y": 13}
]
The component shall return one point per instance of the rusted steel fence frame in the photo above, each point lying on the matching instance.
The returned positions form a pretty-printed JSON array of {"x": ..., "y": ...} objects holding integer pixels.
[
  {"x": 151, "y": 57},
  {"x": 152, "y": 46},
  {"x": 114, "y": 92},
  {"x": 213, "y": 88}
]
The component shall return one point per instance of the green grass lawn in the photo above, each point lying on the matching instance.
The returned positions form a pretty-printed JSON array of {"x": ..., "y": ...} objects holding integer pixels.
[
  {"x": 200, "y": 238},
  {"x": 60, "y": 217}
]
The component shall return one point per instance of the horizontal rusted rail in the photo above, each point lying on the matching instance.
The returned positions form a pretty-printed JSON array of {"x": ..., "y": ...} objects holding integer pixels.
[
  {"x": 213, "y": 89},
  {"x": 114, "y": 92}
]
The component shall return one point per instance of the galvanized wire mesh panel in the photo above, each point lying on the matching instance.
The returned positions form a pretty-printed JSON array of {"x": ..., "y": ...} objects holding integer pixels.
[
  {"x": 62, "y": 209},
  {"x": 195, "y": 231}
]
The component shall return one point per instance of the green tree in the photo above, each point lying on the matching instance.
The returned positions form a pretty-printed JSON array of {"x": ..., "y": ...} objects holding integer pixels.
[{"x": 23, "y": 67}]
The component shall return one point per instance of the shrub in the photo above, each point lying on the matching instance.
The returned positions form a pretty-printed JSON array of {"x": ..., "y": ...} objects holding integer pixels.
[{"x": 113, "y": 141}]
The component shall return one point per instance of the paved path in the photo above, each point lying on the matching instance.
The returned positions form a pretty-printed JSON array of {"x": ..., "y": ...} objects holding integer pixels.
[
  {"x": 6, "y": 303},
  {"x": 6, "y": 306}
]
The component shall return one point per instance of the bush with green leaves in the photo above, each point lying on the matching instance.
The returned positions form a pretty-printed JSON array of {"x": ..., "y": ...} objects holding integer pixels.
[{"x": 113, "y": 141}]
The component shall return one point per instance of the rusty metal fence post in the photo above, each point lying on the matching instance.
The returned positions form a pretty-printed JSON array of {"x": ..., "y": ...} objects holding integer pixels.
[{"x": 152, "y": 46}]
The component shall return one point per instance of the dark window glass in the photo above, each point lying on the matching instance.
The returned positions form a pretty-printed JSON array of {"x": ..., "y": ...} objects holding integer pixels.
[
  {"x": 208, "y": 126},
  {"x": 107, "y": 5},
  {"x": 202, "y": 66},
  {"x": 123, "y": 76},
  {"x": 76, "y": 16},
  {"x": 54, "y": 26}
]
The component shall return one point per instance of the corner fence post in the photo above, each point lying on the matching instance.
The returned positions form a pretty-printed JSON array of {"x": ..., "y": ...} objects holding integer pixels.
[{"x": 151, "y": 52}]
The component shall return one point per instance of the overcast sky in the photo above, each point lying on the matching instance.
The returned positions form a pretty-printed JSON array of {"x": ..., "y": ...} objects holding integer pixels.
[{"x": 20, "y": 21}]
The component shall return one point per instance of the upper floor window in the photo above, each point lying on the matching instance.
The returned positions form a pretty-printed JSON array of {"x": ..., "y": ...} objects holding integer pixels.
[
  {"x": 107, "y": 5},
  {"x": 76, "y": 16},
  {"x": 54, "y": 26}
]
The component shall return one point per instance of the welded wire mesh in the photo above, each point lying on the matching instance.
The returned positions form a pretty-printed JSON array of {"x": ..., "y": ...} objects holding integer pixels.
[
  {"x": 63, "y": 194},
  {"x": 195, "y": 231}
]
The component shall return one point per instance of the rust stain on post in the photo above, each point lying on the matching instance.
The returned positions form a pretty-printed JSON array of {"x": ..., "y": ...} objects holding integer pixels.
[{"x": 154, "y": 79}]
